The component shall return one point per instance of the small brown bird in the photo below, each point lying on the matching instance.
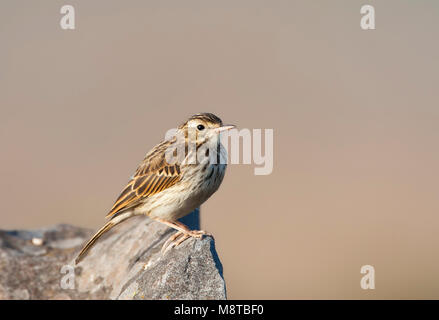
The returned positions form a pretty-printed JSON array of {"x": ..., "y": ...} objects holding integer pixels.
[{"x": 167, "y": 190}]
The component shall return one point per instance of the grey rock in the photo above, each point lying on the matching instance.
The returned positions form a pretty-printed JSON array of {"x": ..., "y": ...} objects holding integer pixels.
[{"x": 126, "y": 263}]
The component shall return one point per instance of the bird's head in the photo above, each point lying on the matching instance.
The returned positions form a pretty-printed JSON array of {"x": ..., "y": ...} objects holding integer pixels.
[{"x": 203, "y": 127}]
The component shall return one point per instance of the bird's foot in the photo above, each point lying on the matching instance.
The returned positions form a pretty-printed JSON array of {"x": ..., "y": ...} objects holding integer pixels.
[
  {"x": 198, "y": 234},
  {"x": 178, "y": 237}
]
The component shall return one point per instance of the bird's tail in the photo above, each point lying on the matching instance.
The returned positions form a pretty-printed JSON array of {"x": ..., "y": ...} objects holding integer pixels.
[{"x": 109, "y": 225}]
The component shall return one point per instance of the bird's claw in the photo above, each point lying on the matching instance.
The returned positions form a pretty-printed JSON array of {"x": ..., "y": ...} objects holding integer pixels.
[{"x": 178, "y": 237}]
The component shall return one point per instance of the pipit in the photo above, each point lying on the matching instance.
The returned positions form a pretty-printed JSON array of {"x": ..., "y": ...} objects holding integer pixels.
[{"x": 174, "y": 178}]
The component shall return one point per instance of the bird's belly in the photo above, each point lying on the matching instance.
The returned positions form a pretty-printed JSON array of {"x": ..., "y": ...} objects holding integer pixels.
[{"x": 184, "y": 197}]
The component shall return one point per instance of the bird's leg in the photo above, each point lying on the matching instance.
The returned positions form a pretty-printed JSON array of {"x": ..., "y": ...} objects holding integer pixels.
[
  {"x": 183, "y": 233},
  {"x": 183, "y": 228},
  {"x": 193, "y": 233}
]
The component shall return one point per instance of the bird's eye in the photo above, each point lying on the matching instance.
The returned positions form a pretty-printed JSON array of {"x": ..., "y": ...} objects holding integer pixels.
[{"x": 200, "y": 127}]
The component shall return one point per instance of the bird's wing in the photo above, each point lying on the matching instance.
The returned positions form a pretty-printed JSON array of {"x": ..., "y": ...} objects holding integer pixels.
[{"x": 152, "y": 176}]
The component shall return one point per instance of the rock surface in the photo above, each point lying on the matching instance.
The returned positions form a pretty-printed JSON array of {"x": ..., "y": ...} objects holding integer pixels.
[{"x": 126, "y": 263}]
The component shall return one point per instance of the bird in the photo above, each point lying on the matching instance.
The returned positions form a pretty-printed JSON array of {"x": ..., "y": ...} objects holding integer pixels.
[{"x": 174, "y": 178}]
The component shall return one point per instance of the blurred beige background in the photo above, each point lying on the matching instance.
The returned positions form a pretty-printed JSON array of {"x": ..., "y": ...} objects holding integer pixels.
[{"x": 355, "y": 117}]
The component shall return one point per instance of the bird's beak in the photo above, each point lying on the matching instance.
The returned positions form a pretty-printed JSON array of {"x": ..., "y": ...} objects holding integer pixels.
[{"x": 225, "y": 128}]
